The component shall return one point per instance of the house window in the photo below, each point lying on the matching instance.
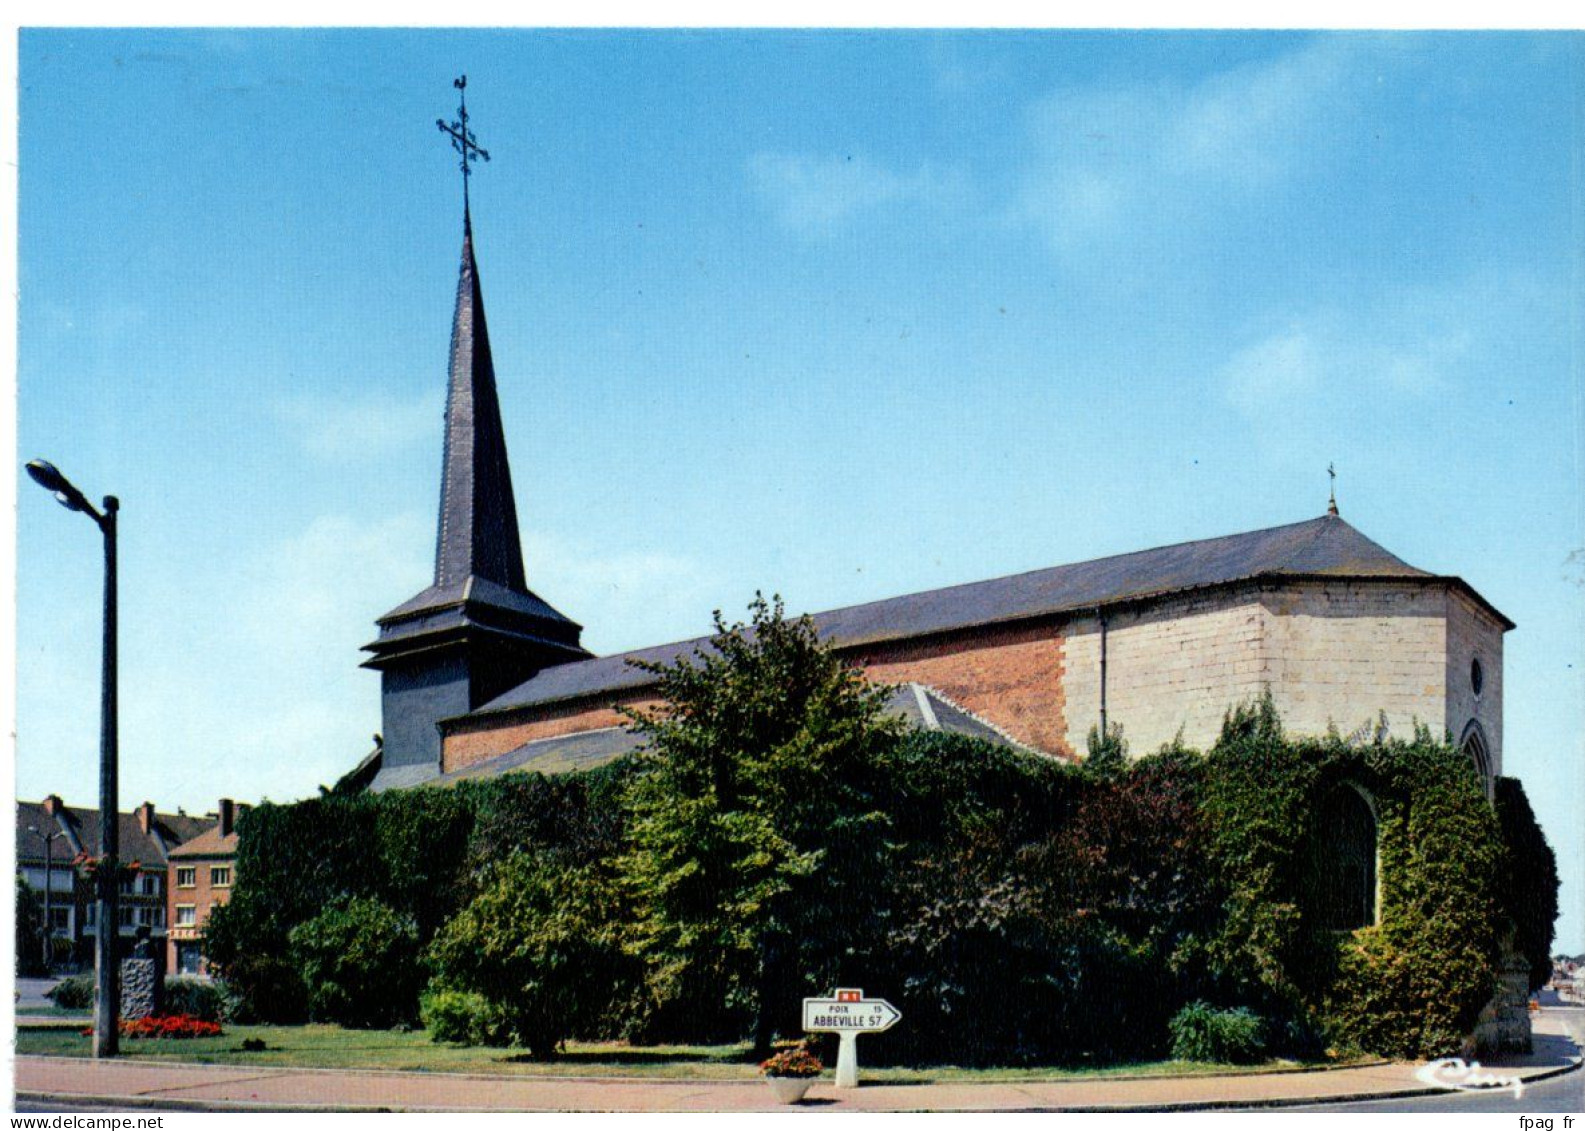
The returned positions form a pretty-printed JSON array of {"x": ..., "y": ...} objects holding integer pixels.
[
  {"x": 1477, "y": 677},
  {"x": 1345, "y": 875},
  {"x": 61, "y": 920},
  {"x": 149, "y": 885},
  {"x": 187, "y": 877},
  {"x": 187, "y": 957},
  {"x": 220, "y": 875},
  {"x": 151, "y": 916},
  {"x": 186, "y": 915}
]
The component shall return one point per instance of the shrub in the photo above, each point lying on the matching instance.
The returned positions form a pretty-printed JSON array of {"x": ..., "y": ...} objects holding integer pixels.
[
  {"x": 76, "y": 992},
  {"x": 539, "y": 946},
  {"x": 360, "y": 963},
  {"x": 194, "y": 997},
  {"x": 463, "y": 1018},
  {"x": 263, "y": 989},
  {"x": 1217, "y": 1036}
]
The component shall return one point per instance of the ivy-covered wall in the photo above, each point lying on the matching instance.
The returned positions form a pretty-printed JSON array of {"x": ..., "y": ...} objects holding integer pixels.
[{"x": 1021, "y": 910}]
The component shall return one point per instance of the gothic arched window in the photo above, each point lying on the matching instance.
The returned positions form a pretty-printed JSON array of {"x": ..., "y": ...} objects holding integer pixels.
[
  {"x": 1474, "y": 745},
  {"x": 1345, "y": 896}
]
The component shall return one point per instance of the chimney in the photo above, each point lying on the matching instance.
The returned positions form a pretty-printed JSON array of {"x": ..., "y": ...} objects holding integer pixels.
[
  {"x": 146, "y": 817},
  {"x": 228, "y": 816}
]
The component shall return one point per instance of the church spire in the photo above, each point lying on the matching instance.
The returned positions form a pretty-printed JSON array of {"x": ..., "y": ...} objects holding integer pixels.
[
  {"x": 477, "y": 534},
  {"x": 478, "y": 630}
]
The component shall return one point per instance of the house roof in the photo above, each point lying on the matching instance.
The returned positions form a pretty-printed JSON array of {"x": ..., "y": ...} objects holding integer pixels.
[
  {"x": 81, "y": 827},
  {"x": 922, "y": 707},
  {"x": 1325, "y": 547},
  {"x": 208, "y": 843}
]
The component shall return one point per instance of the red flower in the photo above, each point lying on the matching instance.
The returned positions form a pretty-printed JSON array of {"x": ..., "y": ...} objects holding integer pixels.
[{"x": 176, "y": 1026}]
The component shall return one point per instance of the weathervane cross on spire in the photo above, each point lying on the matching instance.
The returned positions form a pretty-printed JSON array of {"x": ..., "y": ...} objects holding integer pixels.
[
  {"x": 1331, "y": 503},
  {"x": 462, "y": 139}
]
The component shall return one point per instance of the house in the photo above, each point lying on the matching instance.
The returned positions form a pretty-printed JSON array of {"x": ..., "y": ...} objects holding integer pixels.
[
  {"x": 202, "y": 873},
  {"x": 53, "y": 839}
]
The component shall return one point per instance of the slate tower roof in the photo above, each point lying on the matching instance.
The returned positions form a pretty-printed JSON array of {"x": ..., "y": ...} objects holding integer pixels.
[
  {"x": 478, "y": 516},
  {"x": 478, "y": 629}
]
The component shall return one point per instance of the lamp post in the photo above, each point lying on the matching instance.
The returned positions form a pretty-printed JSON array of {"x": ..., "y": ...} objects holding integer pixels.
[
  {"x": 49, "y": 887},
  {"x": 107, "y": 997}
]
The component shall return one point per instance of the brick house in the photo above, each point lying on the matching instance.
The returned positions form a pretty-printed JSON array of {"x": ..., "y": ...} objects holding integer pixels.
[
  {"x": 482, "y": 676},
  {"x": 202, "y": 873},
  {"x": 147, "y": 839}
]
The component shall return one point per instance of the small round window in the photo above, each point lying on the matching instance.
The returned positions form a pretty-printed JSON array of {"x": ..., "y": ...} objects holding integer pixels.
[{"x": 1477, "y": 676}]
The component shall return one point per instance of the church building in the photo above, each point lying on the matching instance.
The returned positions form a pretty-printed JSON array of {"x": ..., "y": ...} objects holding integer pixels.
[{"x": 481, "y": 676}]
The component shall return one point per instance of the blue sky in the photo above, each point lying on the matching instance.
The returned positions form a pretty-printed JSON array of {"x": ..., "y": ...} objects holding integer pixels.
[{"x": 839, "y": 314}]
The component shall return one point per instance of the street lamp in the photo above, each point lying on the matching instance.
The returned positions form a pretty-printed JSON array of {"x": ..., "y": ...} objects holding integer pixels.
[
  {"x": 107, "y": 1004},
  {"x": 49, "y": 887}
]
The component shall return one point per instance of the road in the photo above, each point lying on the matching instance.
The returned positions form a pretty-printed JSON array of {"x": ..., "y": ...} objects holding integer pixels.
[{"x": 31, "y": 991}]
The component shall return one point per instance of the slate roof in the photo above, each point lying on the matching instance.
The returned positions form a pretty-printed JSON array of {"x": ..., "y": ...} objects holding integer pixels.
[
  {"x": 1325, "y": 547},
  {"x": 478, "y": 554},
  {"x": 922, "y": 707},
  {"x": 83, "y": 834}
]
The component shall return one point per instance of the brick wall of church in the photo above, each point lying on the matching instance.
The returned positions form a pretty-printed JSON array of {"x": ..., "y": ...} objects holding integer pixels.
[
  {"x": 1014, "y": 677},
  {"x": 1177, "y": 664},
  {"x": 479, "y": 740}
]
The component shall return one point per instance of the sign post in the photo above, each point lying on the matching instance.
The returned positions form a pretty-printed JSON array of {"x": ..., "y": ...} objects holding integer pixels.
[{"x": 849, "y": 1014}]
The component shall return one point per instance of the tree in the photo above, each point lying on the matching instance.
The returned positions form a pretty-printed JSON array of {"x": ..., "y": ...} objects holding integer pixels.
[
  {"x": 29, "y": 929},
  {"x": 541, "y": 946},
  {"x": 753, "y": 821}
]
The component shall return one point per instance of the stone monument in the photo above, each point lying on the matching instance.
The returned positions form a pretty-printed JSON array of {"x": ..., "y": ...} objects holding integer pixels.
[{"x": 140, "y": 980}]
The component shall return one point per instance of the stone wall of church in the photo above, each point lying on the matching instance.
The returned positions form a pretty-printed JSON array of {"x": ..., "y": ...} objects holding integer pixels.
[
  {"x": 1014, "y": 677},
  {"x": 1340, "y": 653},
  {"x": 1474, "y": 634},
  {"x": 480, "y": 739},
  {"x": 1177, "y": 664}
]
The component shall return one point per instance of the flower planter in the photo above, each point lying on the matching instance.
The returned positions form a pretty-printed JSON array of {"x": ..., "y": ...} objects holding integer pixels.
[{"x": 790, "y": 1089}]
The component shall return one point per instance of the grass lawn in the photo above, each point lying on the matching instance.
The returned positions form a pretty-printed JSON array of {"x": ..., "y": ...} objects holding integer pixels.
[{"x": 328, "y": 1046}]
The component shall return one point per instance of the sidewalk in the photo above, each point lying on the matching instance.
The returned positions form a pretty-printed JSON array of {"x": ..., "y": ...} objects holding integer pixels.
[{"x": 205, "y": 1087}]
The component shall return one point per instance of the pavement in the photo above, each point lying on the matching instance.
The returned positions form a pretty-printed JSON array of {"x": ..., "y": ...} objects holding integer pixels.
[{"x": 154, "y": 1085}]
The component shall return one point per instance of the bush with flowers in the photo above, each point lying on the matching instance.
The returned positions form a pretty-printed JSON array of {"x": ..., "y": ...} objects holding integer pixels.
[{"x": 798, "y": 1063}]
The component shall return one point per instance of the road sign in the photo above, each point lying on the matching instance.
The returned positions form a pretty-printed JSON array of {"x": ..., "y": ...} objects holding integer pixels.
[{"x": 849, "y": 1014}]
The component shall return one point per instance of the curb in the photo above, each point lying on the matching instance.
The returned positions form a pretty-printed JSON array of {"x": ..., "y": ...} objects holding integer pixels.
[{"x": 158, "y": 1103}]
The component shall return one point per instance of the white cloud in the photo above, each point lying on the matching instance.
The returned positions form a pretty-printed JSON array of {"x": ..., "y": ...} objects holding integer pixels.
[
  {"x": 1401, "y": 346},
  {"x": 1150, "y": 166},
  {"x": 624, "y": 598},
  {"x": 1273, "y": 370},
  {"x": 813, "y": 195},
  {"x": 362, "y": 427}
]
